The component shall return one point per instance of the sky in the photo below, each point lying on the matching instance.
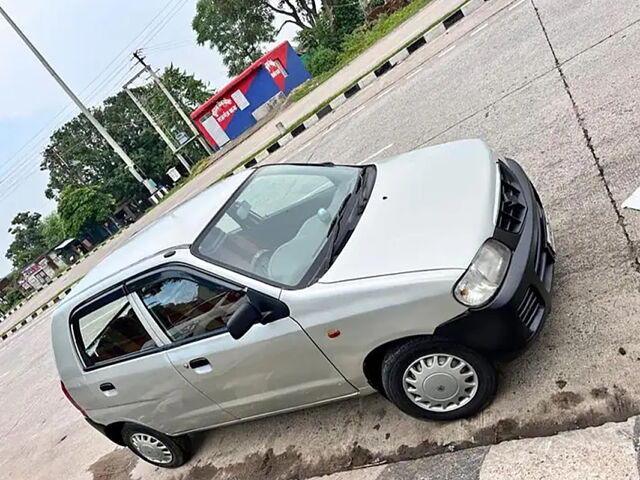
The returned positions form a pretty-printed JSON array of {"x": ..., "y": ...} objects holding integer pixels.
[{"x": 89, "y": 44}]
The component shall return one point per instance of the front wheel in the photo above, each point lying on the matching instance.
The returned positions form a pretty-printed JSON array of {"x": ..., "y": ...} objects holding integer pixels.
[
  {"x": 155, "y": 447},
  {"x": 438, "y": 380}
]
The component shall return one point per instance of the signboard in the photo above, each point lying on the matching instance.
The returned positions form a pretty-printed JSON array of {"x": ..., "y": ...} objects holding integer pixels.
[
  {"x": 181, "y": 137},
  {"x": 215, "y": 130},
  {"x": 240, "y": 99},
  {"x": 223, "y": 110},
  {"x": 174, "y": 174},
  {"x": 275, "y": 69}
]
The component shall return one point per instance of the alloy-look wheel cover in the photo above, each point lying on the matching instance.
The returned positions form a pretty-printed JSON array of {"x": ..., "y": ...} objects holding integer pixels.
[
  {"x": 440, "y": 382},
  {"x": 151, "y": 448}
]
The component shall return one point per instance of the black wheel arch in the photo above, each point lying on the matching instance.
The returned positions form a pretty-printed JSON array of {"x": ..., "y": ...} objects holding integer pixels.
[
  {"x": 114, "y": 433},
  {"x": 372, "y": 364}
]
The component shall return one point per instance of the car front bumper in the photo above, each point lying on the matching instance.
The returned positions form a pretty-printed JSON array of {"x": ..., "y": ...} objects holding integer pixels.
[{"x": 518, "y": 311}]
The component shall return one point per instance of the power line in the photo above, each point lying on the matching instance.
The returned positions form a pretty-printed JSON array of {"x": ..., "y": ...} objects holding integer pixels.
[
  {"x": 162, "y": 45},
  {"x": 163, "y": 23},
  {"x": 154, "y": 30},
  {"x": 126, "y": 48}
]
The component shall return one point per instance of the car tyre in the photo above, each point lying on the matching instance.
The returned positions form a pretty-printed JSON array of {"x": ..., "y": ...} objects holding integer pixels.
[
  {"x": 397, "y": 378},
  {"x": 155, "y": 447}
]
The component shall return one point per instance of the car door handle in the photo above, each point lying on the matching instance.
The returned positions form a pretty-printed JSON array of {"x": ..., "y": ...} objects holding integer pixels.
[
  {"x": 108, "y": 389},
  {"x": 199, "y": 362}
]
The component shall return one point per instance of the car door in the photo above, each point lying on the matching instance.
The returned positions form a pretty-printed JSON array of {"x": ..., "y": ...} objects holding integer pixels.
[
  {"x": 128, "y": 375},
  {"x": 275, "y": 366}
]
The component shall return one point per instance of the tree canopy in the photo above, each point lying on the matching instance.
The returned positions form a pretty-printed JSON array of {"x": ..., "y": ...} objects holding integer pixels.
[
  {"x": 28, "y": 241},
  {"x": 53, "y": 230},
  {"x": 239, "y": 30},
  {"x": 33, "y": 236},
  {"x": 78, "y": 156},
  {"x": 82, "y": 207}
]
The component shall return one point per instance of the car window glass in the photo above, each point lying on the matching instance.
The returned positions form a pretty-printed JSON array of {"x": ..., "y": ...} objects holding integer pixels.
[
  {"x": 112, "y": 331},
  {"x": 279, "y": 222},
  {"x": 270, "y": 194},
  {"x": 186, "y": 309}
]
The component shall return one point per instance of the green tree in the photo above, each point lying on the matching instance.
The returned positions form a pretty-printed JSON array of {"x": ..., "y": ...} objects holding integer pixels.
[
  {"x": 78, "y": 156},
  {"x": 347, "y": 16},
  {"x": 28, "y": 242},
  {"x": 80, "y": 208},
  {"x": 53, "y": 230},
  {"x": 13, "y": 293},
  {"x": 239, "y": 29}
]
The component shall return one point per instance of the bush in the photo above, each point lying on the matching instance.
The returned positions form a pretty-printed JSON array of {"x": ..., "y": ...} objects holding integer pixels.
[
  {"x": 321, "y": 60},
  {"x": 321, "y": 35}
]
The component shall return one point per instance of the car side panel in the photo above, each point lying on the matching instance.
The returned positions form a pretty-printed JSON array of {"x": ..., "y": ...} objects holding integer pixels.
[
  {"x": 152, "y": 393},
  {"x": 371, "y": 312},
  {"x": 149, "y": 389},
  {"x": 273, "y": 367}
]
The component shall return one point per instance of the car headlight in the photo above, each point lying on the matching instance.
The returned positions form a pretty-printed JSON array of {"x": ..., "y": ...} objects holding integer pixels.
[{"x": 482, "y": 279}]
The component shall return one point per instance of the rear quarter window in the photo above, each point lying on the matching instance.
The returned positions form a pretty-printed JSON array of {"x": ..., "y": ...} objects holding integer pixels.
[{"x": 109, "y": 332}]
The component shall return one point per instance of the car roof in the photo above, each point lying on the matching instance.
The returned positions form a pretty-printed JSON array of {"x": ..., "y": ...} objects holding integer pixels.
[{"x": 178, "y": 227}]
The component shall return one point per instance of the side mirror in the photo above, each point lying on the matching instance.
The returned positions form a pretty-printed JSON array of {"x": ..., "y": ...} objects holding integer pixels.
[{"x": 243, "y": 319}]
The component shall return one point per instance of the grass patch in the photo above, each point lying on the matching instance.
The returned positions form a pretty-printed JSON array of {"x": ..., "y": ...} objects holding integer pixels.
[{"x": 358, "y": 41}]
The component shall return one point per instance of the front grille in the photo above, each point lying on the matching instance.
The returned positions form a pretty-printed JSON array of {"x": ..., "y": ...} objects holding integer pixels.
[
  {"x": 512, "y": 205},
  {"x": 531, "y": 309}
]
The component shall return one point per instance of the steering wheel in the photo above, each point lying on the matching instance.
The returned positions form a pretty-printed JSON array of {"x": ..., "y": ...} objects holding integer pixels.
[{"x": 260, "y": 261}]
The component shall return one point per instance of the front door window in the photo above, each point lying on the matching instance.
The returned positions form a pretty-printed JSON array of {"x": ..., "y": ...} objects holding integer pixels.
[{"x": 187, "y": 310}]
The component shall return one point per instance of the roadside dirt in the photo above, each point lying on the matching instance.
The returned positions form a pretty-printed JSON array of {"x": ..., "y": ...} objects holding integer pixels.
[
  {"x": 561, "y": 412},
  {"x": 116, "y": 465}
]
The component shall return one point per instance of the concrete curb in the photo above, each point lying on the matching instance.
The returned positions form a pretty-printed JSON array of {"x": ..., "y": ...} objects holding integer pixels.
[
  {"x": 396, "y": 59},
  {"x": 34, "y": 315}
]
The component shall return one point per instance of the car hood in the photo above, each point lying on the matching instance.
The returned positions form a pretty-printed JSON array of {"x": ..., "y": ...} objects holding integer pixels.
[{"x": 430, "y": 209}]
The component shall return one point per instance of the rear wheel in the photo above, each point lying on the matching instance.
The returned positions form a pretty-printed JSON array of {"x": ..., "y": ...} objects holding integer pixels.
[
  {"x": 438, "y": 380},
  {"x": 155, "y": 447}
]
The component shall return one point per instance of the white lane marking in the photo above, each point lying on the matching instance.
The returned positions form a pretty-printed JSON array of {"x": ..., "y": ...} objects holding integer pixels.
[
  {"x": 386, "y": 92},
  {"x": 373, "y": 155},
  {"x": 331, "y": 127},
  {"x": 444, "y": 52},
  {"x": 516, "y": 4},
  {"x": 633, "y": 201},
  {"x": 414, "y": 73},
  {"x": 304, "y": 147},
  {"x": 479, "y": 29},
  {"x": 357, "y": 110}
]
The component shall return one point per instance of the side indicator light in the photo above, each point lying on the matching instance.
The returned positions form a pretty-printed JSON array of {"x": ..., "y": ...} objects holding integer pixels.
[{"x": 333, "y": 333}]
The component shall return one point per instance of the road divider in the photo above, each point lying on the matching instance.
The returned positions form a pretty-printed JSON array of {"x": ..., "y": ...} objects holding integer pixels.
[{"x": 4, "y": 335}]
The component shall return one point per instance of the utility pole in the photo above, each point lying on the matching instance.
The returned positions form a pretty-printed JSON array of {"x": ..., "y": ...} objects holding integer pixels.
[
  {"x": 98, "y": 126},
  {"x": 155, "y": 125},
  {"x": 137, "y": 55}
]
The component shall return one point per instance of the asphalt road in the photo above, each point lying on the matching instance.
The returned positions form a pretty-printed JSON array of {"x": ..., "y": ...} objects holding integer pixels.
[{"x": 552, "y": 84}]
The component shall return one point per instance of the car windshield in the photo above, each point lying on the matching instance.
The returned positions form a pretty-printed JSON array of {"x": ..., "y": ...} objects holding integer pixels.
[{"x": 280, "y": 221}]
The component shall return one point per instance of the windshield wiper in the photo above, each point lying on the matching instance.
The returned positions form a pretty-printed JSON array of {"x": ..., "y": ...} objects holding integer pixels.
[{"x": 334, "y": 226}]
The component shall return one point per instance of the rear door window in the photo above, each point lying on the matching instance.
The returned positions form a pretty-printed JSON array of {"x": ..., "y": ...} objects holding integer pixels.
[{"x": 111, "y": 331}]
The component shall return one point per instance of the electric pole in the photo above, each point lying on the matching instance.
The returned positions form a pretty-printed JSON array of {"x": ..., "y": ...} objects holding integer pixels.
[
  {"x": 157, "y": 128},
  {"x": 98, "y": 126},
  {"x": 173, "y": 102}
]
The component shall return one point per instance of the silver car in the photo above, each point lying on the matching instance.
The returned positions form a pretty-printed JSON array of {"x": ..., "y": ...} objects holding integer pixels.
[{"x": 288, "y": 286}]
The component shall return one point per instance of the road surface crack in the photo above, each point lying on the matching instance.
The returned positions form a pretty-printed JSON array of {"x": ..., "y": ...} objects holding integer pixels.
[{"x": 585, "y": 132}]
